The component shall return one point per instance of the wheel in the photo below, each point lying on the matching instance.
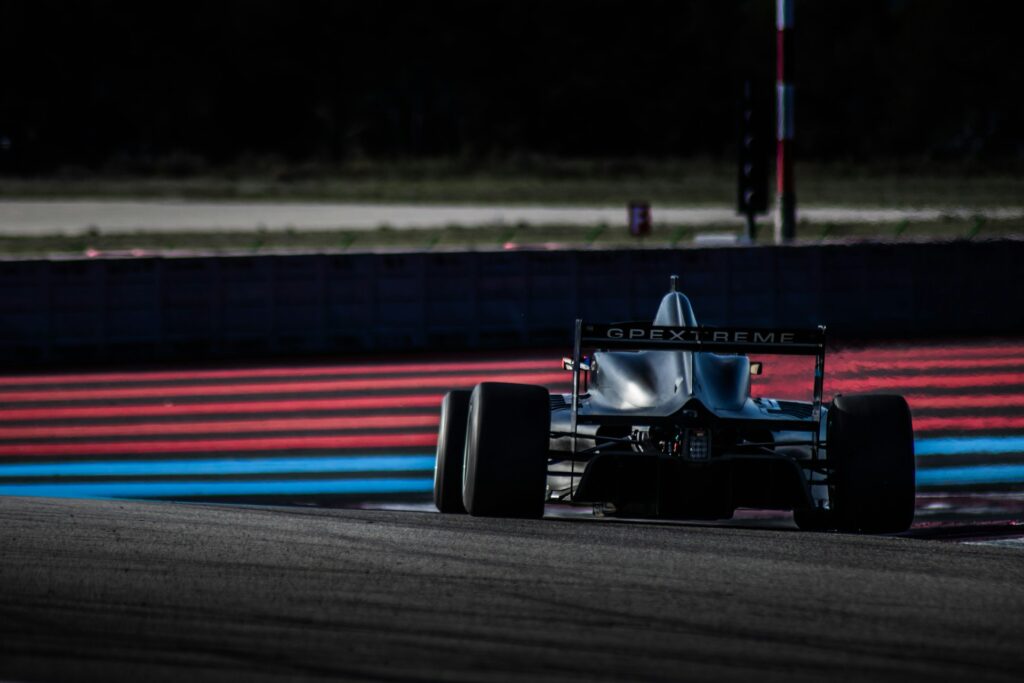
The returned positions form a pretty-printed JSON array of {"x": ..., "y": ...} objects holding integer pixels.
[
  {"x": 451, "y": 443},
  {"x": 871, "y": 453},
  {"x": 506, "y": 458},
  {"x": 808, "y": 519}
]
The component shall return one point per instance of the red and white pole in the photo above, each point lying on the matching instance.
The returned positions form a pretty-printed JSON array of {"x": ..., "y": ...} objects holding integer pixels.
[{"x": 785, "y": 206}]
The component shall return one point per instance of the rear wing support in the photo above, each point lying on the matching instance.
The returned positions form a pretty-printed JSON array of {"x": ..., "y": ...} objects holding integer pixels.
[{"x": 577, "y": 361}]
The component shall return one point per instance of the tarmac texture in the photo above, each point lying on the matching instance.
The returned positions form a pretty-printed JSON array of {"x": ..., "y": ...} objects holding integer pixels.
[
  {"x": 117, "y": 590},
  {"x": 33, "y": 217}
]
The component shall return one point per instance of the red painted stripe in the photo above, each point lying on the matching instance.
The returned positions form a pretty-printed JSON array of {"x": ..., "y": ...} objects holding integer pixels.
[
  {"x": 370, "y": 384},
  {"x": 921, "y": 357},
  {"x": 764, "y": 387},
  {"x": 418, "y": 439},
  {"x": 930, "y": 424},
  {"x": 968, "y": 423},
  {"x": 801, "y": 393},
  {"x": 381, "y": 368},
  {"x": 965, "y": 402},
  {"x": 848, "y": 366},
  {"x": 432, "y": 400},
  {"x": 882, "y": 353},
  {"x": 931, "y": 382},
  {"x": 899, "y": 385},
  {"x": 789, "y": 368},
  {"x": 222, "y": 427},
  {"x": 958, "y": 402}
]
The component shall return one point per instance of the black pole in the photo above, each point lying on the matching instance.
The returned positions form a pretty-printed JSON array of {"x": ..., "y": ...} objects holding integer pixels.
[{"x": 752, "y": 185}]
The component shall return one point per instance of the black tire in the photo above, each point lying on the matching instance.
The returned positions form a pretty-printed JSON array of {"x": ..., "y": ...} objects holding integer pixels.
[
  {"x": 451, "y": 444},
  {"x": 506, "y": 459},
  {"x": 871, "y": 453},
  {"x": 814, "y": 520}
]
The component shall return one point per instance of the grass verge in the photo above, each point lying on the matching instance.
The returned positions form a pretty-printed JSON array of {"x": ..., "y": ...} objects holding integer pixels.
[{"x": 540, "y": 181}]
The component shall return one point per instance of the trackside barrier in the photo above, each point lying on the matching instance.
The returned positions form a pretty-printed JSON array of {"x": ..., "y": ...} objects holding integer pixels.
[{"x": 157, "y": 308}]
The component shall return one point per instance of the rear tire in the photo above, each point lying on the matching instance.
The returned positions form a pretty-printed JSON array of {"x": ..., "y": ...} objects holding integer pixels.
[
  {"x": 871, "y": 452},
  {"x": 451, "y": 443},
  {"x": 506, "y": 458},
  {"x": 814, "y": 520}
]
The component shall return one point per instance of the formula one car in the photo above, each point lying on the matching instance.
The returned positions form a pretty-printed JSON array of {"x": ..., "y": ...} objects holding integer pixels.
[{"x": 661, "y": 423}]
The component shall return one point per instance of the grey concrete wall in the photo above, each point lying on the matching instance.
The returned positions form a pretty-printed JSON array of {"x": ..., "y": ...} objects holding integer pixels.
[{"x": 54, "y": 311}]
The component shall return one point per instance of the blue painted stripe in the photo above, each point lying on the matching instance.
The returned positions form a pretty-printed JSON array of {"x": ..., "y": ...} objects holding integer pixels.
[
  {"x": 223, "y": 466},
  {"x": 966, "y": 445},
  {"x": 196, "y": 489},
  {"x": 978, "y": 474}
]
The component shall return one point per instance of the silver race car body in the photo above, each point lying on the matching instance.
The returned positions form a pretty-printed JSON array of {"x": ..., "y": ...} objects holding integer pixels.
[{"x": 661, "y": 422}]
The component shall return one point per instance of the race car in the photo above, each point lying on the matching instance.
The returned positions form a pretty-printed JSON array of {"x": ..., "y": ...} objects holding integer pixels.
[{"x": 661, "y": 423}]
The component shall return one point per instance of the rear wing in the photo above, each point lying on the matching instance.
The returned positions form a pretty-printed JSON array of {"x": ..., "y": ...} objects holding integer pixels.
[{"x": 643, "y": 335}]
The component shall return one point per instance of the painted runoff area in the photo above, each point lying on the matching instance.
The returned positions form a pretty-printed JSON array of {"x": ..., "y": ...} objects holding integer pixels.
[{"x": 367, "y": 429}]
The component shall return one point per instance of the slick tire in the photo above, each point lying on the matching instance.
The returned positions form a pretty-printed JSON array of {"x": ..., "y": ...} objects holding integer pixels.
[
  {"x": 451, "y": 444},
  {"x": 871, "y": 451},
  {"x": 814, "y": 520},
  {"x": 506, "y": 458}
]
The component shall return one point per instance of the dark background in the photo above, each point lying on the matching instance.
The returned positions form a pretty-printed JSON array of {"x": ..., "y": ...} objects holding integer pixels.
[{"x": 180, "y": 87}]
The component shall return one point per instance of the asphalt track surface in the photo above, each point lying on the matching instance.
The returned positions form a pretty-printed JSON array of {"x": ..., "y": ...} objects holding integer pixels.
[
  {"x": 25, "y": 217},
  {"x": 96, "y": 589},
  {"x": 102, "y": 590}
]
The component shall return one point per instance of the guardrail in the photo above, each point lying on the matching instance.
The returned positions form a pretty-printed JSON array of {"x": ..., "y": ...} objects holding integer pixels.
[{"x": 155, "y": 308}]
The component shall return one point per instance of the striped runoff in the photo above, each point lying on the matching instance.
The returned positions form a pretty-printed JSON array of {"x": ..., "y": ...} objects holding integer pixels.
[{"x": 357, "y": 430}]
